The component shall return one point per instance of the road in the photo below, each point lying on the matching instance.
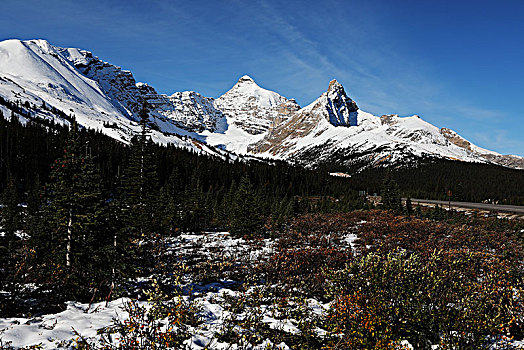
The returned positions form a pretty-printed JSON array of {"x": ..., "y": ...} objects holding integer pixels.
[{"x": 513, "y": 209}]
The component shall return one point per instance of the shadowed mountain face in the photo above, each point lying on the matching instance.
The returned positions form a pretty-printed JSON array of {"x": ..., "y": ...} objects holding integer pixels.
[{"x": 247, "y": 119}]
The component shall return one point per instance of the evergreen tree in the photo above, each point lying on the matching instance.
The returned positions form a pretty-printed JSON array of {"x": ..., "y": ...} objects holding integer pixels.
[
  {"x": 245, "y": 210},
  {"x": 391, "y": 194},
  {"x": 458, "y": 194},
  {"x": 33, "y": 221},
  {"x": 140, "y": 183},
  {"x": 96, "y": 240},
  {"x": 10, "y": 221},
  {"x": 171, "y": 209},
  {"x": 224, "y": 209},
  {"x": 197, "y": 211},
  {"x": 139, "y": 195},
  {"x": 72, "y": 236},
  {"x": 418, "y": 212},
  {"x": 409, "y": 206}
]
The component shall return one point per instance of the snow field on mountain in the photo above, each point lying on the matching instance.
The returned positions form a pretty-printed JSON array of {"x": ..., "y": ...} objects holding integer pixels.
[{"x": 247, "y": 119}]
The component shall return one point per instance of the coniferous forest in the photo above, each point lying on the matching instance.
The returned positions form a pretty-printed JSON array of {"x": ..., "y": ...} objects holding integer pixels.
[
  {"x": 83, "y": 197},
  {"x": 90, "y": 219}
]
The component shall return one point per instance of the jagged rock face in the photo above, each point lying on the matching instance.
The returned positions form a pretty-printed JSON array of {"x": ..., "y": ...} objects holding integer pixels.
[
  {"x": 340, "y": 108},
  {"x": 334, "y": 108},
  {"x": 454, "y": 138},
  {"x": 254, "y": 109},
  {"x": 279, "y": 139},
  {"x": 510, "y": 161},
  {"x": 189, "y": 110},
  {"x": 117, "y": 84},
  {"x": 389, "y": 119}
]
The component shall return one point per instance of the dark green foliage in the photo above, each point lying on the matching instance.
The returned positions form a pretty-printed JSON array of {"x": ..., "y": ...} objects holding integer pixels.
[
  {"x": 10, "y": 222},
  {"x": 245, "y": 211},
  {"x": 431, "y": 179},
  {"x": 70, "y": 243},
  {"x": 390, "y": 193},
  {"x": 139, "y": 185},
  {"x": 197, "y": 208},
  {"x": 171, "y": 203},
  {"x": 409, "y": 206},
  {"x": 11, "y": 212},
  {"x": 418, "y": 212}
]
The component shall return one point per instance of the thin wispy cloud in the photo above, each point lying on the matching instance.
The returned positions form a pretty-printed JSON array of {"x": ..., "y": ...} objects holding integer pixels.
[{"x": 499, "y": 139}]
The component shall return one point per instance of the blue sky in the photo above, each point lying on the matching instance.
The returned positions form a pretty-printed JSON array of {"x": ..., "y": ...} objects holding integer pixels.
[{"x": 458, "y": 64}]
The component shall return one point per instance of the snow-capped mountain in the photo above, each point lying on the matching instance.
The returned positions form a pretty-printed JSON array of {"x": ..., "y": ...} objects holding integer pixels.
[
  {"x": 247, "y": 119},
  {"x": 333, "y": 130},
  {"x": 254, "y": 109},
  {"x": 41, "y": 77}
]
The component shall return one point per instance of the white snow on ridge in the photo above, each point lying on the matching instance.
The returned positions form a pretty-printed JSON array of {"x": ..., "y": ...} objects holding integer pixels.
[
  {"x": 234, "y": 139},
  {"x": 247, "y": 119},
  {"x": 38, "y": 69},
  {"x": 247, "y": 88},
  {"x": 37, "y": 72}
]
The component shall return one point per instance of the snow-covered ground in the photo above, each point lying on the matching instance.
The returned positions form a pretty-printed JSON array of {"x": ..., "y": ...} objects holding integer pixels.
[
  {"x": 221, "y": 304},
  {"x": 60, "y": 330}
]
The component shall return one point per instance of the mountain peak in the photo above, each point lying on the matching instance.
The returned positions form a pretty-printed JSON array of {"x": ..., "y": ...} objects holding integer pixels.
[
  {"x": 336, "y": 91},
  {"x": 246, "y": 79},
  {"x": 341, "y": 109},
  {"x": 253, "y": 108},
  {"x": 334, "y": 85},
  {"x": 246, "y": 91}
]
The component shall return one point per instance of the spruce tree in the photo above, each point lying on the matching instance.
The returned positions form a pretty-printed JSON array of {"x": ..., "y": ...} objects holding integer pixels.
[
  {"x": 390, "y": 193},
  {"x": 171, "y": 205},
  {"x": 10, "y": 221},
  {"x": 139, "y": 185},
  {"x": 139, "y": 196},
  {"x": 418, "y": 212},
  {"x": 95, "y": 239},
  {"x": 246, "y": 215},
  {"x": 73, "y": 218},
  {"x": 224, "y": 209},
  {"x": 197, "y": 211},
  {"x": 409, "y": 206}
]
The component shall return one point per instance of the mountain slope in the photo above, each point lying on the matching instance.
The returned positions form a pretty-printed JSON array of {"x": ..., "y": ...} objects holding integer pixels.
[
  {"x": 254, "y": 109},
  {"x": 320, "y": 133},
  {"x": 43, "y": 78},
  {"x": 247, "y": 119}
]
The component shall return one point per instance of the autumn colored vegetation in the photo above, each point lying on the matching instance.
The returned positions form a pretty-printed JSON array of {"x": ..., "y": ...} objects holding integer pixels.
[{"x": 386, "y": 278}]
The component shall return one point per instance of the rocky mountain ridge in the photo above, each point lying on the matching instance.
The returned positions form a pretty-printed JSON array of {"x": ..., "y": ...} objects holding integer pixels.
[{"x": 247, "y": 119}]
